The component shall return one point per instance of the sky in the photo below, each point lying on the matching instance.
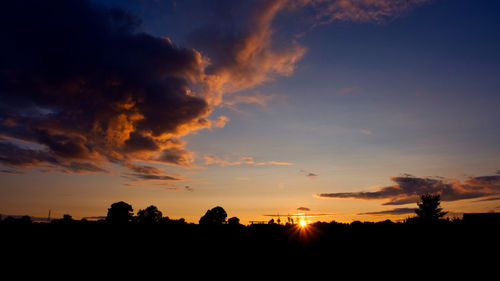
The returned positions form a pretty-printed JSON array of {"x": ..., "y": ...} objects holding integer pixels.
[{"x": 345, "y": 110}]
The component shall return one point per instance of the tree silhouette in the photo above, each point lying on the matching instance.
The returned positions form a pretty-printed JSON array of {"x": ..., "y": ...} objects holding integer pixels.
[
  {"x": 214, "y": 216},
  {"x": 429, "y": 209},
  {"x": 120, "y": 212},
  {"x": 149, "y": 215}
]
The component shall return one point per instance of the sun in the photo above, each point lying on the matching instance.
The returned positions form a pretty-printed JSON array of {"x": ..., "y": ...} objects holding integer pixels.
[{"x": 303, "y": 223}]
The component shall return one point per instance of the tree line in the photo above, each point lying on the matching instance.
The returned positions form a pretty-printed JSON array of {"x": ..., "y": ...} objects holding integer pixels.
[{"x": 428, "y": 212}]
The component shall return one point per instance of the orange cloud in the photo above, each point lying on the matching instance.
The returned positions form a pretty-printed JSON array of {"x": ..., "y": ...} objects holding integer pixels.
[
  {"x": 222, "y": 121},
  {"x": 248, "y": 58}
]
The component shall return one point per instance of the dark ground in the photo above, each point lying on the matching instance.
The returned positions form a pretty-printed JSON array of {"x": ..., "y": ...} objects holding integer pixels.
[{"x": 250, "y": 248}]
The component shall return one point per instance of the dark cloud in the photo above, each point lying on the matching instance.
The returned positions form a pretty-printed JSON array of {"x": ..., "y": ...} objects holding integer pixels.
[
  {"x": 14, "y": 172},
  {"x": 142, "y": 169},
  {"x": 177, "y": 156},
  {"x": 303, "y": 209},
  {"x": 150, "y": 177},
  {"x": 83, "y": 83},
  {"x": 139, "y": 143},
  {"x": 396, "y": 211},
  {"x": 409, "y": 189},
  {"x": 308, "y": 174},
  {"x": 147, "y": 173},
  {"x": 21, "y": 157}
]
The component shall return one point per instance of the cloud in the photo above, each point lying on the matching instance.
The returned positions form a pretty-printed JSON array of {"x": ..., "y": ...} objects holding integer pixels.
[
  {"x": 362, "y": 11},
  {"x": 308, "y": 174},
  {"x": 278, "y": 163},
  {"x": 147, "y": 173},
  {"x": 396, "y": 211},
  {"x": 21, "y": 158},
  {"x": 143, "y": 169},
  {"x": 81, "y": 83},
  {"x": 348, "y": 91},
  {"x": 221, "y": 121},
  {"x": 366, "y": 132},
  {"x": 13, "y": 172},
  {"x": 177, "y": 156},
  {"x": 210, "y": 160},
  {"x": 255, "y": 98},
  {"x": 495, "y": 198},
  {"x": 303, "y": 209},
  {"x": 172, "y": 187},
  {"x": 84, "y": 86},
  {"x": 147, "y": 177},
  {"x": 408, "y": 189},
  {"x": 242, "y": 59}
]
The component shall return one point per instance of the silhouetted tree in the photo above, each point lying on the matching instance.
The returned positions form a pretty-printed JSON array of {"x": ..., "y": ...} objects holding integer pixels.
[
  {"x": 271, "y": 221},
  {"x": 429, "y": 209},
  {"x": 120, "y": 212},
  {"x": 149, "y": 215},
  {"x": 233, "y": 221},
  {"x": 214, "y": 216}
]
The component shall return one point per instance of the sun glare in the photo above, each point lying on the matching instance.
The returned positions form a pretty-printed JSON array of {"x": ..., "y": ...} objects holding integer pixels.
[{"x": 303, "y": 223}]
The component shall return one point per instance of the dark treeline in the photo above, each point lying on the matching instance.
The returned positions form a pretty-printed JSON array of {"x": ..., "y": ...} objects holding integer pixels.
[{"x": 122, "y": 234}]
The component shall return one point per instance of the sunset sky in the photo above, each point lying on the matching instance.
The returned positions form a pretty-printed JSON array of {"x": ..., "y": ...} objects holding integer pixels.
[{"x": 346, "y": 109}]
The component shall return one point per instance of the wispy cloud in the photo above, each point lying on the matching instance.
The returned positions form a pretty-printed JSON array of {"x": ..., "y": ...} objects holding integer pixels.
[
  {"x": 363, "y": 11},
  {"x": 396, "y": 211},
  {"x": 150, "y": 177},
  {"x": 13, "y": 172},
  {"x": 255, "y": 98},
  {"x": 348, "y": 91},
  {"x": 366, "y": 132},
  {"x": 243, "y": 160}
]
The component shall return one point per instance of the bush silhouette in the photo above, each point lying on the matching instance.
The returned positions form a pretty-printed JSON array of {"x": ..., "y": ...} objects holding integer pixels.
[
  {"x": 214, "y": 216},
  {"x": 120, "y": 212}
]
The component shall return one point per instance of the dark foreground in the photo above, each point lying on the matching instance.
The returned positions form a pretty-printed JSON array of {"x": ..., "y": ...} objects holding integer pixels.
[{"x": 92, "y": 244}]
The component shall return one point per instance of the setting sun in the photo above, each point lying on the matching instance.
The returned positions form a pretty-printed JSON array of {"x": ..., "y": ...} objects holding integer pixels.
[{"x": 303, "y": 223}]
